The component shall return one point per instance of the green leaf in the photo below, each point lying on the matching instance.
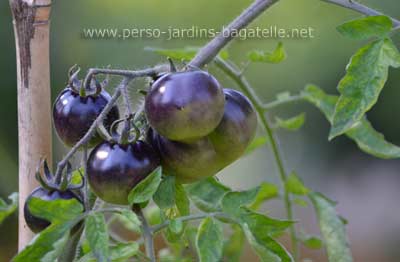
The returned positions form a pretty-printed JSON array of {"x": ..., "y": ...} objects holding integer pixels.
[
  {"x": 293, "y": 123},
  {"x": 252, "y": 197},
  {"x": 209, "y": 241},
  {"x": 256, "y": 143},
  {"x": 277, "y": 56},
  {"x": 332, "y": 229},
  {"x": 366, "y": 75},
  {"x": 58, "y": 248},
  {"x": 300, "y": 202},
  {"x": 295, "y": 186},
  {"x": 47, "y": 242},
  {"x": 123, "y": 251},
  {"x": 324, "y": 102},
  {"x": 143, "y": 191},
  {"x": 266, "y": 192},
  {"x": 207, "y": 194},
  {"x": 97, "y": 236},
  {"x": 118, "y": 253},
  {"x": 165, "y": 194},
  {"x": 366, "y": 137},
  {"x": 181, "y": 200},
  {"x": 233, "y": 247},
  {"x": 268, "y": 249},
  {"x": 176, "y": 226},
  {"x": 367, "y": 27},
  {"x": 371, "y": 141},
  {"x": 186, "y": 53},
  {"x": 312, "y": 242},
  {"x": 259, "y": 222},
  {"x": 233, "y": 200},
  {"x": 129, "y": 219},
  {"x": 76, "y": 177},
  {"x": 55, "y": 211},
  {"x": 174, "y": 238},
  {"x": 63, "y": 214},
  {"x": 7, "y": 209},
  {"x": 153, "y": 214},
  {"x": 171, "y": 194},
  {"x": 259, "y": 230}
]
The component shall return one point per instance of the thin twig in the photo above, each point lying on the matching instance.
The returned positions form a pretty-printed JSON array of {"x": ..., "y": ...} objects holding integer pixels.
[
  {"x": 363, "y": 9},
  {"x": 244, "y": 85},
  {"x": 212, "y": 48},
  {"x": 125, "y": 73},
  {"x": 86, "y": 138},
  {"x": 205, "y": 55},
  {"x": 127, "y": 102},
  {"x": 108, "y": 210},
  {"x": 85, "y": 178},
  {"x": 147, "y": 233},
  {"x": 159, "y": 227},
  {"x": 277, "y": 103}
]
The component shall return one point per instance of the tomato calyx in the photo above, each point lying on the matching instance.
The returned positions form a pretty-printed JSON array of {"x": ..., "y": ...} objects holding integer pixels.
[
  {"x": 92, "y": 87},
  {"x": 50, "y": 183},
  {"x": 172, "y": 67},
  {"x": 129, "y": 134}
]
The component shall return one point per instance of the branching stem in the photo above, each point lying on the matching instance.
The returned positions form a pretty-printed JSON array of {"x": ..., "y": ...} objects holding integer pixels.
[
  {"x": 363, "y": 9},
  {"x": 86, "y": 200},
  {"x": 235, "y": 74},
  {"x": 204, "y": 56},
  {"x": 212, "y": 48},
  {"x": 277, "y": 103},
  {"x": 159, "y": 227},
  {"x": 86, "y": 138},
  {"x": 147, "y": 233},
  {"x": 129, "y": 75}
]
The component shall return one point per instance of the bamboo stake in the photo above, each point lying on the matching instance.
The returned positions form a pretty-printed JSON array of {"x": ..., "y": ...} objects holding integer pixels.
[{"x": 31, "y": 28}]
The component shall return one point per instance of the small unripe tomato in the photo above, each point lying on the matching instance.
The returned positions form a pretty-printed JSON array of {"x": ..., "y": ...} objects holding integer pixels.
[
  {"x": 115, "y": 169},
  {"x": 237, "y": 127},
  {"x": 184, "y": 106},
  {"x": 73, "y": 115},
  {"x": 37, "y": 224}
]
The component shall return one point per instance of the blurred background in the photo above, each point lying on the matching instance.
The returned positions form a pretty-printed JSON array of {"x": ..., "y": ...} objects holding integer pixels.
[{"x": 366, "y": 188}]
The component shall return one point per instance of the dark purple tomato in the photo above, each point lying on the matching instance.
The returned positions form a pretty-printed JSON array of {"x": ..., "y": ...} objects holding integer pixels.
[
  {"x": 237, "y": 127},
  {"x": 73, "y": 115},
  {"x": 115, "y": 169},
  {"x": 189, "y": 162},
  {"x": 185, "y": 106},
  {"x": 205, "y": 157},
  {"x": 37, "y": 224}
]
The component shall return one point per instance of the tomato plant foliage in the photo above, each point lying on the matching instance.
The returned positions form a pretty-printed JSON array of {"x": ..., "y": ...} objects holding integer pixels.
[{"x": 203, "y": 220}]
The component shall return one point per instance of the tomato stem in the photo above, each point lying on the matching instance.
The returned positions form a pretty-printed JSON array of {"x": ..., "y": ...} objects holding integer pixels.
[
  {"x": 117, "y": 93},
  {"x": 232, "y": 71},
  {"x": 147, "y": 233},
  {"x": 85, "y": 178},
  {"x": 363, "y": 9}
]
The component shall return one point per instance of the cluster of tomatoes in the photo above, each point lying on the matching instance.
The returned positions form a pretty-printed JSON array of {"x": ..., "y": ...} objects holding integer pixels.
[{"x": 194, "y": 128}]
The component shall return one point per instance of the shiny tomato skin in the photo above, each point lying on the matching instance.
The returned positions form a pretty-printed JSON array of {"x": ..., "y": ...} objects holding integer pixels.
[
  {"x": 189, "y": 162},
  {"x": 73, "y": 115},
  {"x": 37, "y": 224},
  {"x": 206, "y": 156},
  {"x": 237, "y": 127},
  {"x": 115, "y": 169},
  {"x": 185, "y": 106}
]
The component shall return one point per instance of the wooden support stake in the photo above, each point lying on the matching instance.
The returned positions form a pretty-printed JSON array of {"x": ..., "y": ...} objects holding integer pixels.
[{"x": 31, "y": 28}]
